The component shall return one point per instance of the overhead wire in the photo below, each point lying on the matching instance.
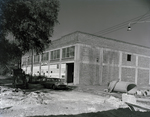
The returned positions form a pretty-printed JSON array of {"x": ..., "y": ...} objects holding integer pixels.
[
  {"x": 142, "y": 17},
  {"x": 123, "y": 24},
  {"x": 120, "y": 25},
  {"x": 115, "y": 29}
]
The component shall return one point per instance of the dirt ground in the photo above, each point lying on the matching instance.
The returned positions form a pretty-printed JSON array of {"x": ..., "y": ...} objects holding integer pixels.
[{"x": 38, "y": 101}]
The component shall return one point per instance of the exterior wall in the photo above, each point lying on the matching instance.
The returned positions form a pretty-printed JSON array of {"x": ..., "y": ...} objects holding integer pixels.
[
  {"x": 77, "y": 64},
  {"x": 128, "y": 67},
  {"x": 89, "y": 65},
  {"x": 110, "y": 65},
  {"x": 143, "y": 62},
  {"x": 128, "y": 63},
  {"x": 52, "y": 68},
  {"x": 110, "y": 73},
  {"x": 143, "y": 77},
  {"x": 143, "y": 74},
  {"x": 36, "y": 70},
  {"x": 103, "y": 42},
  {"x": 99, "y": 60},
  {"x": 128, "y": 74}
]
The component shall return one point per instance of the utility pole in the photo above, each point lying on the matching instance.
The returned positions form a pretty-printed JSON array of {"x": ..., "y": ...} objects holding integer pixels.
[{"x": 32, "y": 59}]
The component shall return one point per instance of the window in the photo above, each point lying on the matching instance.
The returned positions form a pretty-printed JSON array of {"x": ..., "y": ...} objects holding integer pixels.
[
  {"x": 57, "y": 66},
  {"x": 24, "y": 61},
  {"x": 54, "y": 71},
  {"x": 36, "y": 58},
  {"x": 29, "y": 59},
  {"x": 128, "y": 57},
  {"x": 52, "y": 56},
  {"x": 45, "y": 56},
  {"x": 68, "y": 52},
  {"x": 55, "y": 54}
]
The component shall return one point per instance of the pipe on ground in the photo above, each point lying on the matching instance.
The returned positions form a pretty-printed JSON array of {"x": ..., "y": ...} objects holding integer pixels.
[{"x": 122, "y": 86}]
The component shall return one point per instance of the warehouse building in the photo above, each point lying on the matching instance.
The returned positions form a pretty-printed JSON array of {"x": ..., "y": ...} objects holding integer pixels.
[{"x": 83, "y": 58}]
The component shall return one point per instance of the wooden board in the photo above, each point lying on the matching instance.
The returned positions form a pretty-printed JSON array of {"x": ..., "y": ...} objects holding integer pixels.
[{"x": 132, "y": 106}]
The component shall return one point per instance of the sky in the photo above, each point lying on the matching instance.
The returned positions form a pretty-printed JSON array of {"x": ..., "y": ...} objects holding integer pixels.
[{"x": 108, "y": 18}]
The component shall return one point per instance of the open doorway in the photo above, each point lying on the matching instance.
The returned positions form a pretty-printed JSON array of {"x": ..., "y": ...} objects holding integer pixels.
[{"x": 70, "y": 72}]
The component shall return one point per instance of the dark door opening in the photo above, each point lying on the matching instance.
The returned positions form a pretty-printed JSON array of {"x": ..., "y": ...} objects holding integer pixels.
[{"x": 70, "y": 72}]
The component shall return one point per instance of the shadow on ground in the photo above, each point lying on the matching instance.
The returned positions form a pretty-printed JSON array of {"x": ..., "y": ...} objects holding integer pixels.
[
  {"x": 32, "y": 87},
  {"x": 6, "y": 81},
  {"x": 111, "y": 113}
]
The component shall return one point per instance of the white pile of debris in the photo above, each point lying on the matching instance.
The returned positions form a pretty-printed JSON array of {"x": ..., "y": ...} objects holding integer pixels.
[
  {"x": 13, "y": 97},
  {"x": 137, "y": 99}
]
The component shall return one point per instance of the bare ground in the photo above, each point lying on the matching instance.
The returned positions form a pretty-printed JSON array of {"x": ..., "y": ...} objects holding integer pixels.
[{"x": 38, "y": 101}]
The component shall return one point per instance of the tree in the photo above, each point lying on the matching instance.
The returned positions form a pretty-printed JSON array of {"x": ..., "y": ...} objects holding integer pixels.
[
  {"x": 10, "y": 54},
  {"x": 30, "y": 21}
]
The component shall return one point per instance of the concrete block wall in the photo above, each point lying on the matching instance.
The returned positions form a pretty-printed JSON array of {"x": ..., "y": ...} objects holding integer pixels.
[
  {"x": 143, "y": 77},
  {"x": 99, "y": 60},
  {"x": 87, "y": 74},
  {"x": 66, "y": 40},
  {"x": 109, "y": 73},
  {"x": 113, "y": 44},
  {"x": 144, "y": 62},
  {"x": 110, "y": 65},
  {"x": 128, "y": 74},
  {"x": 89, "y": 65},
  {"x": 125, "y": 62},
  {"x": 110, "y": 57}
]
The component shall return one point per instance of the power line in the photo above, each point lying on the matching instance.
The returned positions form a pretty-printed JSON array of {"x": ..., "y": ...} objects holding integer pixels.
[
  {"x": 118, "y": 25},
  {"x": 123, "y": 24},
  {"x": 143, "y": 16},
  {"x": 115, "y": 29}
]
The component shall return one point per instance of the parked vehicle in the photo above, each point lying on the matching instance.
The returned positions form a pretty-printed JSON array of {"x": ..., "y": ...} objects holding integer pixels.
[
  {"x": 54, "y": 83},
  {"x": 20, "y": 79}
]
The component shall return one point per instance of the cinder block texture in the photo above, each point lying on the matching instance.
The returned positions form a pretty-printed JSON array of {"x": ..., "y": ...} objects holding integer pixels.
[
  {"x": 109, "y": 73},
  {"x": 143, "y": 77},
  {"x": 91, "y": 68},
  {"x": 89, "y": 65},
  {"x": 128, "y": 74},
  {"x": 87, "y": 74},
  {"x": 99, "y": 41},
  {"x": 110, "y": 57},
  {"x": 125, "y": 62},
  {"x": 143, "y": 62}
]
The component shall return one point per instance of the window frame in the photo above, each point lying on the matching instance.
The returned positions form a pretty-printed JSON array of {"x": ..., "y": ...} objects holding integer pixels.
[
  {"x": 129, "y": 57},
  {"x": 45, "y": 56},
  {"x": 68, "y": 52},
  {"x": 55, "y": 54}
]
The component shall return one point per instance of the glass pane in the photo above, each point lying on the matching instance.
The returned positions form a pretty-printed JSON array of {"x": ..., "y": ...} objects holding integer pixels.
[
  {"x": 55, "y": 54},
  {"x": 63, "y": 52},
  {"x": 67, "y": 52},
  {"x": 63, "y": 70},
  {"x": 36, "y": 70},
  {"x": 47, "y": 55},
  {"x": 52, "y": 55},
  {"x": 29, "y": 60},
  {"x": 44, "y": 70},
  {"x": 58, "y": 54},
  {"x": 71, "y": 51},
  {"x": 54, "y": 72}
]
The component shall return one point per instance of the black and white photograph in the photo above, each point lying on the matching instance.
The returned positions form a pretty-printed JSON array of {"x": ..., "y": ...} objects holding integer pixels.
[{"x": 74, "y": 58}]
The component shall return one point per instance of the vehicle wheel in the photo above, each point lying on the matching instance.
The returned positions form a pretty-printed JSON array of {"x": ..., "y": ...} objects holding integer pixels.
[{"x": 54, "y": 87}]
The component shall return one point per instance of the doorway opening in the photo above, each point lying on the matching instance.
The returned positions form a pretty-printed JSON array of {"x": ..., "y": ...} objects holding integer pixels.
[{"x": 70, "y": 72}]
